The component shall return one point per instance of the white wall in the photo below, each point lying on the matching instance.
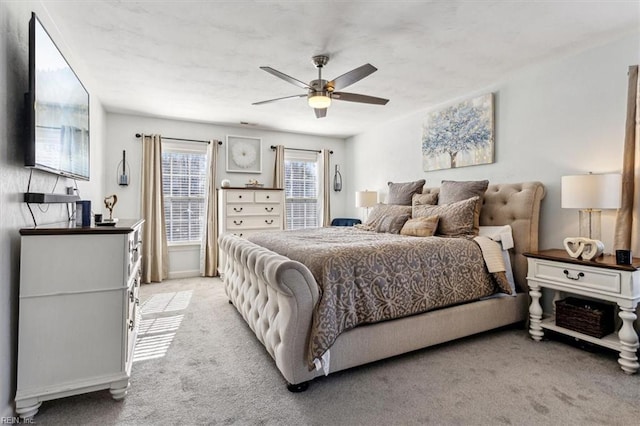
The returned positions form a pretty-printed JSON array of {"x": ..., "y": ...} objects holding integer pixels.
[
  {"x": 121, "y": 130},
  {"x": 14, "y": 47},
  {"x": 563, "y": 117}
]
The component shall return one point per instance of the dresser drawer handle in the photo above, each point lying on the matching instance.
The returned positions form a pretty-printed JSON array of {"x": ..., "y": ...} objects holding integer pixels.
[
  {"x": 131, "y": 325},
  {"x": 131, "y": 297},
  {"x": 237, "y": 210},
  {"x": 576, "y": 278},
  {"x": 269, "y": 209},
  {"x": 268, "y": 222},
  {"x": 268, "y": 197},
  {"x": 237, "y": 222}
]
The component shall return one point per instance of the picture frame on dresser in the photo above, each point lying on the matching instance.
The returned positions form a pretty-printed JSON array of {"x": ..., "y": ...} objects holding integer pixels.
[{"x": 244, "y": 154}]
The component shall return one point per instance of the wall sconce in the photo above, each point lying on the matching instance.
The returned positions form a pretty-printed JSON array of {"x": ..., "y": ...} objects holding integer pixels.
[
  {"x": 123, "y": 179},
  {"x": 591, "y": 193}
]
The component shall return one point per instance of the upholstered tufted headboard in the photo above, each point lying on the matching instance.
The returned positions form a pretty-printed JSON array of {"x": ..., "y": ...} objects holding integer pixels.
[{"x": 518, "y": 205}]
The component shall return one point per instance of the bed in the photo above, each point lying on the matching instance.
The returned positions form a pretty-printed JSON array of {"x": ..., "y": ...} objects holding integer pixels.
[{"x": 277, "y": 297}]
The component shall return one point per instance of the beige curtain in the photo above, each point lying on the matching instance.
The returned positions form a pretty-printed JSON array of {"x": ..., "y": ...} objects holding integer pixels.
[
  {"x": 326, "y": 187},
  {"x": 155, "y": 256},
  {"x": 278, "y": 172},
  {"x": 278, "y": 176},
  {"x": 627, "y": 236},
  {"x": 209, "y": 258}
]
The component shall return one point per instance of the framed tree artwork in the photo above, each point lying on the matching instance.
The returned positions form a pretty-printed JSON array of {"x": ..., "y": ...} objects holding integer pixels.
[
  {"x": 244, "y": 154},
  {"x": 459, "y": 135}
]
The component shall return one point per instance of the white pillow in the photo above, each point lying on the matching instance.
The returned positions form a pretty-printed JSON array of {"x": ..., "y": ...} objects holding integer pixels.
[{"x": 504, "y": 235}]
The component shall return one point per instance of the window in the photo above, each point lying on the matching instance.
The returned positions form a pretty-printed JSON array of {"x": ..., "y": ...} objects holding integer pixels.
[
  {"x": 302, "y": 193},
  {"x": 184, "y": 187}
]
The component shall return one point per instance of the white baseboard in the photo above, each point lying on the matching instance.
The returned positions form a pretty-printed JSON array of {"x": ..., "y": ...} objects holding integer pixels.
[{"x": 183, "y": 274}]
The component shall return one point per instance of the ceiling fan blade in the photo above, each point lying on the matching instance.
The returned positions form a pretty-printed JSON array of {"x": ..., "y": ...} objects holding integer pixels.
[
  {"x": 280, "y": 99},
  {"x": 352, "y": 76},
  {"x": 320, "y": 112},
  {"x": 354, "y": 97},
  {"x": 285, "y": 77}
]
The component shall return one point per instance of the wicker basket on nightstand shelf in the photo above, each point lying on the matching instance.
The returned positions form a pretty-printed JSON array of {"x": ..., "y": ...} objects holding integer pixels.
[{"x": 585, "y": 316}]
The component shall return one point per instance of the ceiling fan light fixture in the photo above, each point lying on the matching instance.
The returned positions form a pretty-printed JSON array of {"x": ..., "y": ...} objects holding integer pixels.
[{"x": 319, "y": 100}]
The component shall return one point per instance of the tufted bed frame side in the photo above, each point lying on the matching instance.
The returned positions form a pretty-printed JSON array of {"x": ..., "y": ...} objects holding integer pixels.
[{"x": 276, "y": 296}]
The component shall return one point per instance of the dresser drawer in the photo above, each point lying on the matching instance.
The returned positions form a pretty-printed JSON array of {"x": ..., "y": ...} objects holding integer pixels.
[
  {"x": 565, "y": 273},
  {"x": 240, "y": 196},
  {"x": 254, "y": 209},
  {"x": 253, "y": 222},
  {"x": 268, "y": 196}
]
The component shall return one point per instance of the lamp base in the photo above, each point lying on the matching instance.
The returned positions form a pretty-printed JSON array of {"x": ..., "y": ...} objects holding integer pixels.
[{"x": 590, "y": 223}]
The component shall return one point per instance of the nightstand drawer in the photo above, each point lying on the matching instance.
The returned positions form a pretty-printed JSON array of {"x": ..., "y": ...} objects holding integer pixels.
[{"x": 565, "y": 273}]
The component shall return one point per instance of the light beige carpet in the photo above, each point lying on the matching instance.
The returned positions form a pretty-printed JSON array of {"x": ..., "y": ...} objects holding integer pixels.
[{"x": 198, "y": 363}]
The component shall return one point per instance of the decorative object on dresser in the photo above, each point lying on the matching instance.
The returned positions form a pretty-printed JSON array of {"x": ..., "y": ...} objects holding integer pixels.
[
  {"x": 243, "y": 211},
  {"x": 459, "y": 135},
  {"x": 78, "y": 311},
  {"x": 244, "y": 154},
  {"x": 600, "y": 279},
  {"x": 591, "y": 193},
  {"x": 110, "y": 202},
  {"x": 584, "y": 248}
]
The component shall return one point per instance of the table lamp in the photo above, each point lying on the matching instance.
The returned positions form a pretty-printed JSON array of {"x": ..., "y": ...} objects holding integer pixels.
[
  {"x": 366, "y": 199},
  {"x": 591, "y": 193}
]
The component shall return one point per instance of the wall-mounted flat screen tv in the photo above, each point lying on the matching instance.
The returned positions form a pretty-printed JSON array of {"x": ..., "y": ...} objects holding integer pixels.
[{"x": 58, "y": 110}]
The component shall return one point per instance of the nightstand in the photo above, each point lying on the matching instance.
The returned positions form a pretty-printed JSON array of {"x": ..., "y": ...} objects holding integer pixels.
[{"x": 599, "y": 279}]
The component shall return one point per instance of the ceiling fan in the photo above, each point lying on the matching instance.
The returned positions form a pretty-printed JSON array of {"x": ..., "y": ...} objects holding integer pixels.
[{"x": 321, "y": 92}]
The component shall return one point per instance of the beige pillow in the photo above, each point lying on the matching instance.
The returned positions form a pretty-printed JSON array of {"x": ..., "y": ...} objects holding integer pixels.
[
  {"x": 455, "y": 219},
  {"x": 420, "y": 226},
  {"x": 401, "y": 193},
  {"x": 422, "y": 199},
  {"x": 392, "y": 224},
  {"x": 452, "y": 191}
]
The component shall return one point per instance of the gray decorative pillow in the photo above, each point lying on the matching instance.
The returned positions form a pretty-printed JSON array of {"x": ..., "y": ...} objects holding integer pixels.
[
  {"x": 401, "y": 192},
  {"x": 452, "y": 191},
  {"x": 380, "y": 211},
  {"x": 422, "y": 199},
  {"x": 455, "y": 219},
  {"x": 392, "y": 224}
]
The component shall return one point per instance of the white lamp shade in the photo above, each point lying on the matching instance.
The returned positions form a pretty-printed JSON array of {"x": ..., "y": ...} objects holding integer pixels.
[
  {"x": 366, "y": 198},
  {"x": 591, "y": 191}
]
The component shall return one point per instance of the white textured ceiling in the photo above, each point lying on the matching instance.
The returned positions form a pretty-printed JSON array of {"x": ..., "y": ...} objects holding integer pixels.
[{"x": 199, "y": 60}]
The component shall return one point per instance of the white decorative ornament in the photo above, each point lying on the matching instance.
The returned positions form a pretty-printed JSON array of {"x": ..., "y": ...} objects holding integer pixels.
[
  {"x": 583, "y": 247},
  {"x": 243, "y": 154},
  {"x": 225, "y": 183}
]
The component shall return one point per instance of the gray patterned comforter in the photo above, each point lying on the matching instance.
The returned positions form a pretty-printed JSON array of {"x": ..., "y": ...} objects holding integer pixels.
[{"x": 367, "y": 277}]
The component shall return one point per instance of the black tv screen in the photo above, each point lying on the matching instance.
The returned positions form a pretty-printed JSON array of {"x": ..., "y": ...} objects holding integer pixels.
[{"x": 58, "y": 110}]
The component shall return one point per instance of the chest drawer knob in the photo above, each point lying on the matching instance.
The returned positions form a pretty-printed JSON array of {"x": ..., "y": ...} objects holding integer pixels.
[
  {"x": 237, "y": 222},
  {"x": 237, "y": 210},
  {"x": 575, "y": 278},
  {"x": 269, "y": 209},
  {"x": 268, "y": 222}
]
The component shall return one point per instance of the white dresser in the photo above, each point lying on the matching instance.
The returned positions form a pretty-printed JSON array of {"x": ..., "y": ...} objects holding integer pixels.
[
  {"x": 243, "y": 211},
  {"x": 78, "y": 304}
]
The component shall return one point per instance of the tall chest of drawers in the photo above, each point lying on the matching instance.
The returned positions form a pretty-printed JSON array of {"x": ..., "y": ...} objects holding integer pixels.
[
  {"x": 243, "y": 211},
  {"x": 77, "y": 321}
]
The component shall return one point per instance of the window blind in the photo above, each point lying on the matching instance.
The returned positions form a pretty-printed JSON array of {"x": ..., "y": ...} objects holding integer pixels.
[
  {"x": 301, "y": 190},
  {"x": 183, "y": 187}
]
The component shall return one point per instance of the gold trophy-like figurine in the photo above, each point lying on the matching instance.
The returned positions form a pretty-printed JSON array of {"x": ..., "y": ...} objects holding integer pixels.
[{"x": 109, "y": 202}]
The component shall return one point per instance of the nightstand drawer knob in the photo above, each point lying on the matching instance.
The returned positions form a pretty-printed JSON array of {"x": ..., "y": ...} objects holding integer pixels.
[{"x": 575, "y": 278}]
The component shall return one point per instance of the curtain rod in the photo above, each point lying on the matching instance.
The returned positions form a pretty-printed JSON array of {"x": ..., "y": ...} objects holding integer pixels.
[
  {"x": 138, "y": 135},
  {"x": 302, "y": 149}
]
